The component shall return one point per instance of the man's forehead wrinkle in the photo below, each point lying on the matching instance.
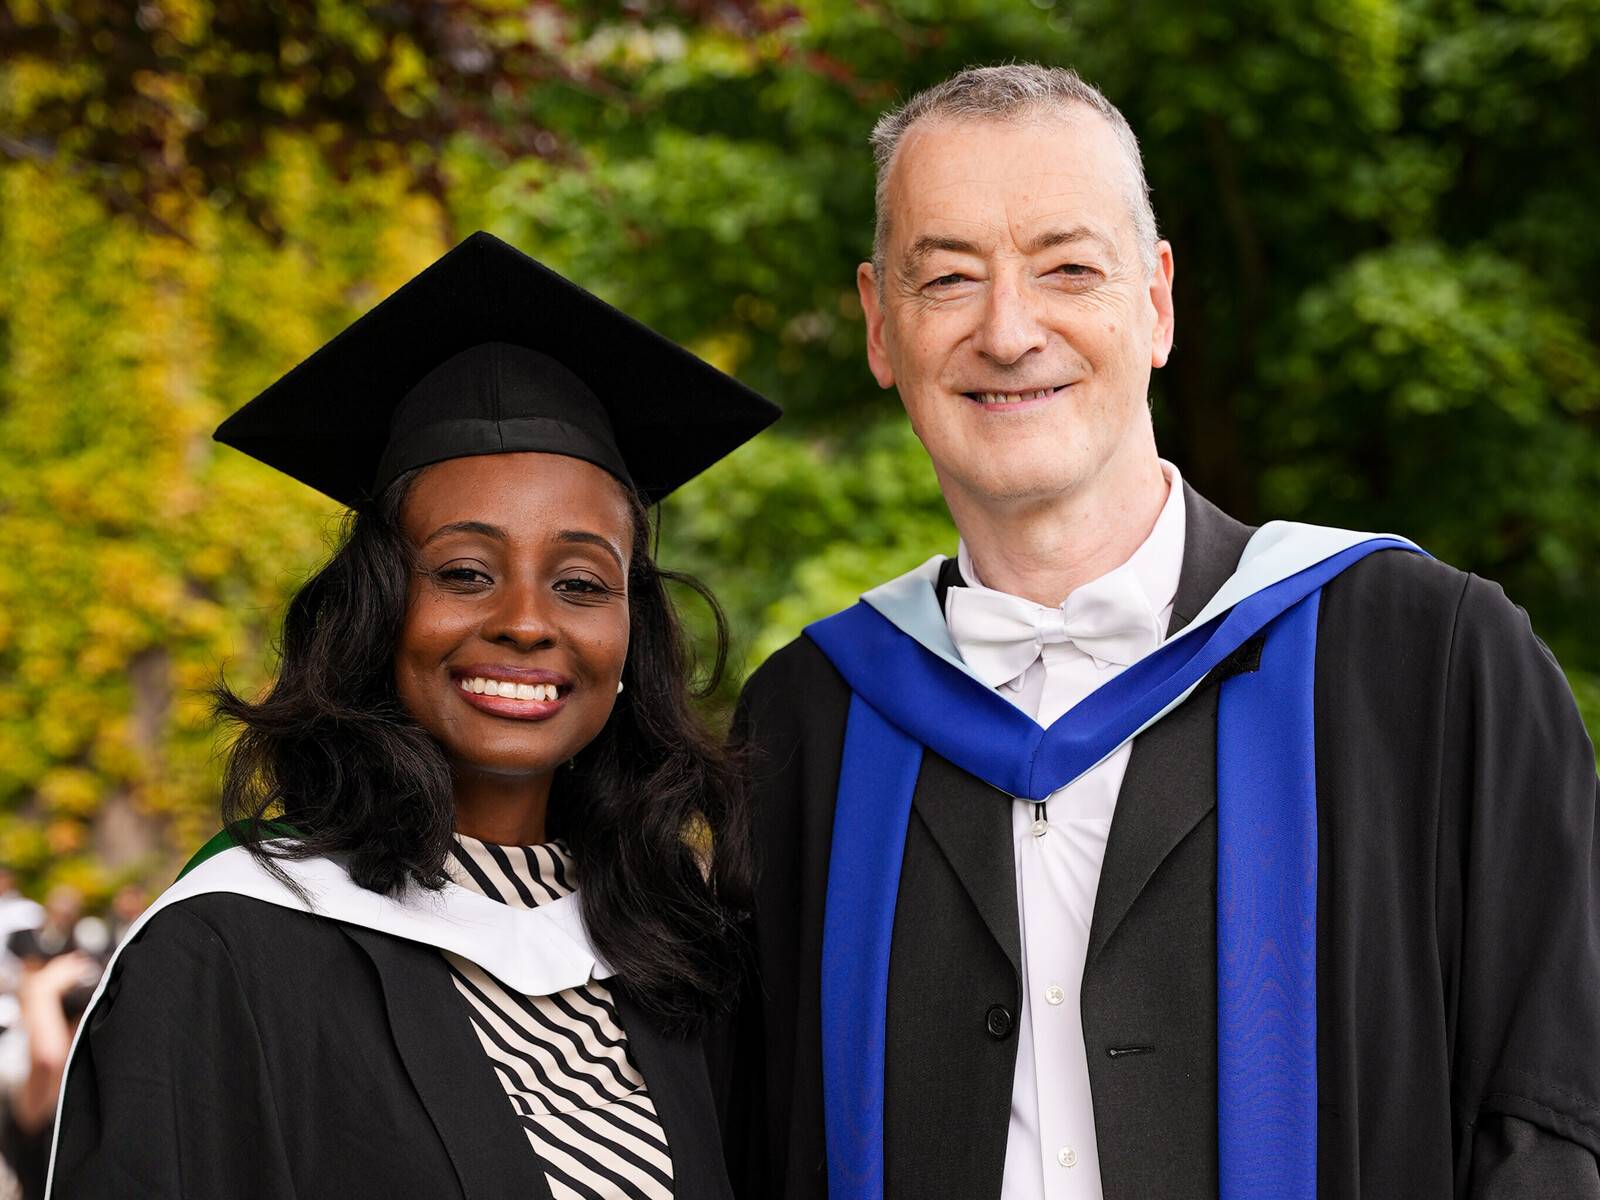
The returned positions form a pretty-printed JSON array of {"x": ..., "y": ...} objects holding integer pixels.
[
  {"x": 1035, "y": 184},
  {"x": 1069, "y": 203},
  {"x": 1026, "y": 235}
]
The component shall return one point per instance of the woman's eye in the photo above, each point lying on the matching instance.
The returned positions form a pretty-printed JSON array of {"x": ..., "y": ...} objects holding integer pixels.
[
  {"x": 582, "y": 585},
  {"x": 462, "y": 576}
]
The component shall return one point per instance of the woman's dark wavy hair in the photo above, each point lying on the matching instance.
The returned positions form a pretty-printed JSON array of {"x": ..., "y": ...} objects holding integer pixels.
[{"x": 653, "y": 810}]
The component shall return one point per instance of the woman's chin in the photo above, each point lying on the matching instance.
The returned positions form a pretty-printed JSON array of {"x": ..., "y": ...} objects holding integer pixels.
[{"x": 506, "y": 764}]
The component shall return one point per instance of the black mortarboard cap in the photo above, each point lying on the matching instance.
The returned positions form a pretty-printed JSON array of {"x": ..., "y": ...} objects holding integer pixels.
[{"x": 490, "y": 352}]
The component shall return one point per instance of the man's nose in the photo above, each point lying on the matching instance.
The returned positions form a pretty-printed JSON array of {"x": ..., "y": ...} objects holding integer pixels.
[
  {"x": 522, "y": 618},
  {"x": 1013, "y": 321}
]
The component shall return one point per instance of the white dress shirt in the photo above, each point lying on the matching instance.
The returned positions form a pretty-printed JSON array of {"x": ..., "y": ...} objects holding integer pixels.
[{"x": 1051, "y": 1151}]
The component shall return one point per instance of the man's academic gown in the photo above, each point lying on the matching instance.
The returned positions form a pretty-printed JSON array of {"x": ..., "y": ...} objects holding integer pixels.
[
  {"x": 1458, "y": 924},
  {"x": 247, "y": 1051}
]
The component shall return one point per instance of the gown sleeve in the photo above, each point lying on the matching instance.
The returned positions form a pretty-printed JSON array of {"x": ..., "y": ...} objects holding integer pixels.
[
  {"x": 168, "y": 1093},
  {"x": 1522, "y": 927}
]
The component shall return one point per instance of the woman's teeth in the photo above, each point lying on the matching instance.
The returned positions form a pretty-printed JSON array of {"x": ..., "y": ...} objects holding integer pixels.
[
  {"x": 1011, "y": 397},
  {"x": 511, "y": 691}
]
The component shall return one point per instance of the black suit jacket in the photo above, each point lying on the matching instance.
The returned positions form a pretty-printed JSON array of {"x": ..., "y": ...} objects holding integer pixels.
[
  {"x": 1440, "y": 719},
  {"x": 249, "y": 1052}
]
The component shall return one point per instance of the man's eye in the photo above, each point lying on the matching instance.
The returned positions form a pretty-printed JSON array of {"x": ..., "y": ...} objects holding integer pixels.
[
  {"x": 945, "y": 280},
  {"x": 1076, "y": 270}
]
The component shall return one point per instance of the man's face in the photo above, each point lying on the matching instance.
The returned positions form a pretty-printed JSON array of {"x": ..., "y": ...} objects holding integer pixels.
[{"x": 1017, "y": 316}]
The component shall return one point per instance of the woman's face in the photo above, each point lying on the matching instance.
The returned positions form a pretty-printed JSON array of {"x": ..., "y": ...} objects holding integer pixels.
[{"x": 517, "y": 626}]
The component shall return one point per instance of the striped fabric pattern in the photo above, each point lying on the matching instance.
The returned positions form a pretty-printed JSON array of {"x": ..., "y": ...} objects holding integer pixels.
[{"x": 563, "y": 1059}]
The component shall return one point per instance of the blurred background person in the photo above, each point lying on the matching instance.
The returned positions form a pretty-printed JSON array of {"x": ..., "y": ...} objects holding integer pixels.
[
  {"x": 126, "y": 906},
  {"x": 52, "y": 1000},
  {"x": 17, "y": 914},
  {"x": 55, "y": 961},
  {"x": 56, "y": 932}
]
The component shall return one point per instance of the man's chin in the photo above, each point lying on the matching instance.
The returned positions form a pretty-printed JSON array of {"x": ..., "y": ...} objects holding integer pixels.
[{"x": 1021, "y": 483}]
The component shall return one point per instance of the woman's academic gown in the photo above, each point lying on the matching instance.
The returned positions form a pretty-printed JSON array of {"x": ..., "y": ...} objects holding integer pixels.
[{"x": 251, "y": 1052}]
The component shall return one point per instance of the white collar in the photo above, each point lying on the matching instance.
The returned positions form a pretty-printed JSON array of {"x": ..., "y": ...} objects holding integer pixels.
[{"x": 536, "y": 951}]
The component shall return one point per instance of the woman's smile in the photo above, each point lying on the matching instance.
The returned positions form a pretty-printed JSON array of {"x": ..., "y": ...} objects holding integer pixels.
[{"x": 514, "y": 692}]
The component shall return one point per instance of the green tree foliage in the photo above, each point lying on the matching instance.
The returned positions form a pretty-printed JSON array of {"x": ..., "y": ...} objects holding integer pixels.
[
  {"x": 1380, "y": 210},
  {"x": 136, "y": 562}
]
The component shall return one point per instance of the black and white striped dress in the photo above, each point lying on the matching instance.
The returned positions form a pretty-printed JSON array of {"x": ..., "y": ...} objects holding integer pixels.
[{"x": 563, "y": 1059}]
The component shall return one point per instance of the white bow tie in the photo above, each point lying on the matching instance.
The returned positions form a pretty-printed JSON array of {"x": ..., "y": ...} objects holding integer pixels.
[{"x": 999, "y": 636}]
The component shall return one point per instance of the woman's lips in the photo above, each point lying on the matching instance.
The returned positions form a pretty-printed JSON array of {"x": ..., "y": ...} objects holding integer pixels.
[
  {"x": 510, "y": 706},
  {"x": 535, "y": 695}
]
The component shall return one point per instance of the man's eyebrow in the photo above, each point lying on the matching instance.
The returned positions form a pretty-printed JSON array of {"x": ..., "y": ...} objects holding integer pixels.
[
  {"x": 478, "y": 527},
  {"x": 585, "y": 538},
  {"x": 932, "y": 243},
  {"x": 1050, "y": 239}
]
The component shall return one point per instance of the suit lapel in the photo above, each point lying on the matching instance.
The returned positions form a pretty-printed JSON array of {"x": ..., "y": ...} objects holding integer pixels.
[
  {"x": 1170, "y": 784},
  {"x": 487, "y": 1146},
  {"x": 970, "y": 821},
  {"x": 1169, "y": 787}
]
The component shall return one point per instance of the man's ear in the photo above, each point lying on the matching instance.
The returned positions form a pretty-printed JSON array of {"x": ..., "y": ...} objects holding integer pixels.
[
  {"x": 872, "y": 306},
  {"x": 1161, "y": 300}
]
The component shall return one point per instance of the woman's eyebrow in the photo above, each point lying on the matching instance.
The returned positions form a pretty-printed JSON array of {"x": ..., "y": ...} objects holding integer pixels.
[
  {"x": 593, "y": 539},
  {"x": 478, "y": 527}
]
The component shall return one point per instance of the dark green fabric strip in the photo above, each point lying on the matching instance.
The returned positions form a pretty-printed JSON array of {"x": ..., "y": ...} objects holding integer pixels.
[{"x": 228, "y": 837}]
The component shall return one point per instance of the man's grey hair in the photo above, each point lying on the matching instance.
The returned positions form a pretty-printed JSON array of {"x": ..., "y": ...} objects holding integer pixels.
[{"x": 1000, "y": 94}]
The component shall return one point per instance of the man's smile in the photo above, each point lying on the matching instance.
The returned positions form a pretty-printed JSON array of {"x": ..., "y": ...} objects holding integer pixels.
[{"x": 1026, "y": 397}]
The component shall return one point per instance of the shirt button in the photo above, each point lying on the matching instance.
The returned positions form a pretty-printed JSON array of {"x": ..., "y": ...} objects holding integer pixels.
[
  {"x": 1040, "y": 827},
  {"x": 1054, "y": 994},
  {"x": 1067, "y": 1156}
]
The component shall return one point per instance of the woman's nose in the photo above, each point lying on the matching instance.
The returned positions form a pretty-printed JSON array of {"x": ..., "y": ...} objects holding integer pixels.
[{"x": 522, "y": 618}]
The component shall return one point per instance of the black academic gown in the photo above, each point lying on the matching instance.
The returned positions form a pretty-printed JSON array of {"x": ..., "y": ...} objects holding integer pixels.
[
  {"x": 251, "y": 1052},
  {"x": 1458, "y": 921}
]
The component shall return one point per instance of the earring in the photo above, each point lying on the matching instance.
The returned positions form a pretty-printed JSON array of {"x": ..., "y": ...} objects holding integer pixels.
[{"x": 619, "y": 687}]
